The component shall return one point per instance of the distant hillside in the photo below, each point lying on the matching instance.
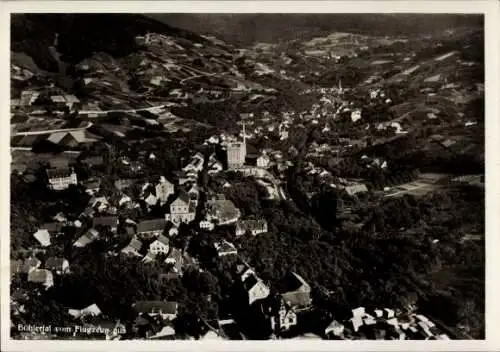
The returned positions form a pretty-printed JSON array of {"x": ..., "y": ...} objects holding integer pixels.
[
  {"x": 101, "y": 59},
  {"x": 247, "y": 29},
  {"x": 81, "y": 35}
]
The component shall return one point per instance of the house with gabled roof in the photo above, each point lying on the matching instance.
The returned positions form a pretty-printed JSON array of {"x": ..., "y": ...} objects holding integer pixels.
[
  {"x": 255, "y": 227},
  {"x": 43, "y": 237},
  {"x": 297, "y": 291},
  {"x": 55, "y": 228},
  {"x": 149, "y": 257},
  {"x": 165, "y": 309},
  {"x": 263, "y": 161},
  {"x": 61, "y": 178},
  {"x": 71, "y": 100},
  {"x": 285, "y": 318},
  {"x": 89, "y": 237},
  {"x": 41, "y": 276},
  {"x": 92, "y": 186},
  {"x": 151, "y": 200},
  {"x": 28, "y": 97},
  {"x": 151, "y": 228},
  {"x": 181, "y": 204},
  {"x": 133, "y": 248},
  {"x": 100, "y": 204},
  {"x": 166, "y": 333},
  {"x": 255, "y": 287},
  {"x": 92, "y": 310},
  {"x": 334, "y": 329},
  {"x": 224, "y": 248},
  {"x": 105, "y": 221},
  {"x": 160, "y": 245},
  {"x": 214, "y": 165},
  {"x": 356, "y": 188},
  {"x": 57, "y": 265},
  {"x": 182, "y": 209},
  {"x": 58, "y": 101},
  {"x": 184, "y": 178},
  {"x": 60, "y": 217},
  {"x": 195, "y": 164},
  {"x": 30, "y": 264}
]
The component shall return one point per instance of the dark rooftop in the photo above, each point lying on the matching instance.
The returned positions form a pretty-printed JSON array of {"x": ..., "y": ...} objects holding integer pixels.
[
  {"x": 110, "y": 221},
  {"x": 250, "y": 282},
  {"x": 54, "y": 263},
  {"x": 151, "y": 225},
  {"x": 60, "y": 172},
  {"x": 155, "y": 307}
]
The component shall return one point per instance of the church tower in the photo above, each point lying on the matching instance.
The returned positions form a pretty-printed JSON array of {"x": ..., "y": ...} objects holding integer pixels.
[{"x": 237, "y": 152}]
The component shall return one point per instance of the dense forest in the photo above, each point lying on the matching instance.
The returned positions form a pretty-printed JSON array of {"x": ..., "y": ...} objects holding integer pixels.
[{"x": 378, "y": 264}]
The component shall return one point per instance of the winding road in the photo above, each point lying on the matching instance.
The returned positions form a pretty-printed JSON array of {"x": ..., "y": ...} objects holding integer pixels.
[
  {"x": 103, "y": 112},
  {"x": 32, "y": 133}
]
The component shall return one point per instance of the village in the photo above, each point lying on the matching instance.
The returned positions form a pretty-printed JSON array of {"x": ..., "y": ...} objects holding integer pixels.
[
  {"x": 188, "y": 203},
  {"x": 192, "y": 190},
  {"x": 151, "y": 240}
]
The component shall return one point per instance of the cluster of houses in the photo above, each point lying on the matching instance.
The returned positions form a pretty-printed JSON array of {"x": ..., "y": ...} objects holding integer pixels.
[
  {"x": 150, "y": 237},
  {"x": 351, "y": 187},
  {"x": 154, "y": 319},
  {"x": 32, "y": 270},
  {"x": 384, "y": 324},
  {"x": 56, "y": 101},
  {"x": 253, "y": 226}
]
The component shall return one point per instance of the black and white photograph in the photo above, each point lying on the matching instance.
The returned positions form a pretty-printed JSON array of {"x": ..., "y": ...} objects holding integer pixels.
[{"x": 246, "y": 176}]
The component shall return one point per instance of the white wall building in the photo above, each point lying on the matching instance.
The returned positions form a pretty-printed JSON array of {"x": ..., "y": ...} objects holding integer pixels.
[{"x": 60, "y": 179}]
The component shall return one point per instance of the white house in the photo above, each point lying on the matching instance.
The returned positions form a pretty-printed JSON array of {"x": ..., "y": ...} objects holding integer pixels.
[
  {"x": 182, "y": 210},
  {"x": 164, "y": 189},
  {"x": 60, "y": 179},
  {"x": 207, "y": 225},
  {"x": 356, "y": 115},
  {"x": 151, "y": 200},
  {"x": 43, "y": 237},
  {"x": 255, "y": 287},
  {"x": 181, "y": 204},
  {"x": 28, "y": 97},
  {"x": 285, "y": 319},
  {"x": 92, "y": 310},
  {"x": 255, "y": 227},
  {"x": 335, "y": 328},
  {"x": 195, "y": 164},
  {"x": 263, "y": 161},
  {"x": 160, "y": 245},
  {"x": 224, "y": 248}
]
